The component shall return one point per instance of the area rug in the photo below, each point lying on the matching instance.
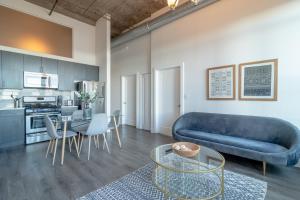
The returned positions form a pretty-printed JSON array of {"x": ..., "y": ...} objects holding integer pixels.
[{"x": 138, "y": 186}]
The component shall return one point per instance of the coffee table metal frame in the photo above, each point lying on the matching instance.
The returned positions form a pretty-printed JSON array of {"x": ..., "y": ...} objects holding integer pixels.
[{"x": 159, "y": 166}]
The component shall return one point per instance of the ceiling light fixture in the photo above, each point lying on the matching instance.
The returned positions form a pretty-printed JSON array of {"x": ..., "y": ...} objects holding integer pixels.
[
  {"x": 195, "y": 1},
  {"x": 173, "y": 4}
]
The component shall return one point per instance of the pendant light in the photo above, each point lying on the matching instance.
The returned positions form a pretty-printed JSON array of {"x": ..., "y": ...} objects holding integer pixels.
[
  {"x": 173, "y": 4},
  {"x": 195, "y": 2}
]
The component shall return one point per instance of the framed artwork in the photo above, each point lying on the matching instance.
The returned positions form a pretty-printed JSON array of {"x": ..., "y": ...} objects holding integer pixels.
[
  {"x": 221, "y": 83},
  {"x": 258, "y": 80}
]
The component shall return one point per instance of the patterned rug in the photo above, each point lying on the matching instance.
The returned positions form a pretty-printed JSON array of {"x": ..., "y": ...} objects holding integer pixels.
[{"x": 138, "y": 186}]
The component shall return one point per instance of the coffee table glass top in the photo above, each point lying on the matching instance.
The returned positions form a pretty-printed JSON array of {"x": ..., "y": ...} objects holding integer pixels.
[{"x": 207, "y": 160}]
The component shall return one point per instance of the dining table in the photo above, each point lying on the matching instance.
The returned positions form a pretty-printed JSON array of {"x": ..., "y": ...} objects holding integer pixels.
[
  {"x": 69, "y": 119},
  {"x": 76, "y": 125}
]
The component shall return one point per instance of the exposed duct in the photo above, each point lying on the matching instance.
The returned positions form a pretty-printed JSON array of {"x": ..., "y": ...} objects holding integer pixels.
[{"x": 160, "y": 21}]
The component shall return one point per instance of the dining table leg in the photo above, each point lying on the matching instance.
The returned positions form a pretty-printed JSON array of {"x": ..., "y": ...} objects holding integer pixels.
[{"x": 63, "y": 143}]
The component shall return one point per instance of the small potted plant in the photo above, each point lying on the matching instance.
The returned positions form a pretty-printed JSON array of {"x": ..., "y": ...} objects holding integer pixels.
[{"x": 86, "y": 101}]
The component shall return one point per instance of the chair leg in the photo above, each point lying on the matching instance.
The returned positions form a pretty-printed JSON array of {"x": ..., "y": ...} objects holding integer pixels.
[
  {"x": 95, "y": 140},
  {"x": 76, "y": 145},
  {"x": 48, "y": 148},
  {"x": 82, "y": 137},
  {"x": 98, "y": 142},
  {"x": 72, "y": 141},
  {"x": 117, "y": 131},
  {"x": 70, "y": 145},
  {"x": 264, "y": 168},
  {"x": 52, "y": 146},
  {"x": 89, "y": 151},
  {"x": 79, "y": 138},
  {"x": 54, "y": 151},
  {"x": 105, "y": 142}
]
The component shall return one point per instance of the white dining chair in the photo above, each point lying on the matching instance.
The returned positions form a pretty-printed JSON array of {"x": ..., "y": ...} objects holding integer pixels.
[
  {"x": 98, "y": 126},
  {"x": 55, "y": 136}
]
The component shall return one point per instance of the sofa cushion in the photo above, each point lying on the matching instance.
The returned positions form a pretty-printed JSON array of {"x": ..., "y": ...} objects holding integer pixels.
[{"x": 234, "y": 141}]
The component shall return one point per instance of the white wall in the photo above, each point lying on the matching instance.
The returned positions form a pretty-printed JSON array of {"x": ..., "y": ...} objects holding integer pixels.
[
  {"x": 83, "y": 34},
  {"x": 128, "y": 59},
  {"x": 233, "y": 32}
]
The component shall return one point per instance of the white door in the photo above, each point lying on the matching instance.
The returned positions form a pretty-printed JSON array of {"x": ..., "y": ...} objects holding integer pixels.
[
  {"x": 168, "y": 99},
  {"x": 146, "y": 102},
  {"x": 129, "y": 100}
]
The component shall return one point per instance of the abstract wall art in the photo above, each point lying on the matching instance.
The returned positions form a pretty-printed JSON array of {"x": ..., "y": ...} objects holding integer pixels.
[
  {"x": 258, "y": 80},
  {"x": 221, "y": 83}
]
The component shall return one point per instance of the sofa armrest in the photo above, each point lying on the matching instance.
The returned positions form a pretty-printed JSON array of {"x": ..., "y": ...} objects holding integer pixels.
[
  {"x": 178, "y": 124},
  {"x": 290, "y": 157},
  {"x": 294, "y": 153}
]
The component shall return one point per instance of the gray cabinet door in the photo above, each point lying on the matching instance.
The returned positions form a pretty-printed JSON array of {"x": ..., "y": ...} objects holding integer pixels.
[
  {"x": 79, "y": 72},
  {"x": 49, "y": 65},
  {"x": 32, "y": 63},
  {"x": 12, "y": 70},
  {"x": 92, "y": 73},
  {"x": 12, "y": 125},
  {"x": 0, "y": 69},
  {"x": 66, "y": 76}
]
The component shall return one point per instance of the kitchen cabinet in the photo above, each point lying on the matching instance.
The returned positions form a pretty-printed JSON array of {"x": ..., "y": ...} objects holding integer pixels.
[
  {"x": 12, "y": 124},
  {"x": 66, "y": 76},
  {"x": 13, "y": 65},
  {"x": 32, "y": 63},
  {"x": 0, "y": 69},
  {"x": 49, "y": 66},
  {"x": 92, "y": 73},
  {"x": 12, "y": 70},
  {"x": 79, "y": 72}
]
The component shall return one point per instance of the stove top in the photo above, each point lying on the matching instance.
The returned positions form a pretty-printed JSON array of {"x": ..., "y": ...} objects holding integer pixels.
[
  {"x": 42, "y": 110},
  {"x": 41, "y": 104}
]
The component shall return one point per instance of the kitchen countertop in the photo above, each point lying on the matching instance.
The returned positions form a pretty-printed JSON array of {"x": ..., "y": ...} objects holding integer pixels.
[{"x": 12, "y": 108}]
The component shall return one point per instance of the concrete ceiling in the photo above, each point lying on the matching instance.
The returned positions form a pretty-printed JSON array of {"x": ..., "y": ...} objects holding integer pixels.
[{"x": 124, "y": 13}]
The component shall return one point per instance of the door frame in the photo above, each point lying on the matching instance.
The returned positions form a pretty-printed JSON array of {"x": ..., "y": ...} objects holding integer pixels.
[
  {"x": 154, "y": 96},
  {"x": 123, "y": 95},
  {"x": 140, "y": 99}
]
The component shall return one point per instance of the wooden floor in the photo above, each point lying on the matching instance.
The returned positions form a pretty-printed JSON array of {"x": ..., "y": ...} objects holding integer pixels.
[{"x": 26, "y": 174}]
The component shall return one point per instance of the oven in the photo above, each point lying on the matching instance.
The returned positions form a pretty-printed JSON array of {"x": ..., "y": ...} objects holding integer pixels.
[
  {"x": 36, "y": 122},
  {"x": 36, "y": 108},
  {"x": 36, "y": 130}
]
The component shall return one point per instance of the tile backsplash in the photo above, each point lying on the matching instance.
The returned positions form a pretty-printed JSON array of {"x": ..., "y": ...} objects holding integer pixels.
[{"x": 7, "y": 102}]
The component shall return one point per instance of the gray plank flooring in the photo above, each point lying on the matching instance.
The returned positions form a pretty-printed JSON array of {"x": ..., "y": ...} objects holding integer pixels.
[{"x": 25, "y": 174}]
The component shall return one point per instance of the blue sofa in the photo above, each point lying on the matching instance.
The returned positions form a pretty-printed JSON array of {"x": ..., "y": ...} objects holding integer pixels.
[{"x": 264, "y": 139}]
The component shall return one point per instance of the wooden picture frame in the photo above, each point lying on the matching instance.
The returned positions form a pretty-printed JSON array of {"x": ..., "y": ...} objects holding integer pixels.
[
  {"x": 259, "y": 83},
  {"x": 221, "y": 88}
]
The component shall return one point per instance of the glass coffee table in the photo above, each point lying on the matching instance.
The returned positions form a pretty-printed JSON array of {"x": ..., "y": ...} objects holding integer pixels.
[{"x": 199, "y": 177}]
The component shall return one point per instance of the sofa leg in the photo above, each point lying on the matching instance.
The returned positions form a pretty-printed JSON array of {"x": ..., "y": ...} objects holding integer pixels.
[{"x": 264, "y": 168}]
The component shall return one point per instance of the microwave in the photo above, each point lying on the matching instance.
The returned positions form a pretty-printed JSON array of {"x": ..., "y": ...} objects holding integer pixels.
[{"x": 40, "y": 80}]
